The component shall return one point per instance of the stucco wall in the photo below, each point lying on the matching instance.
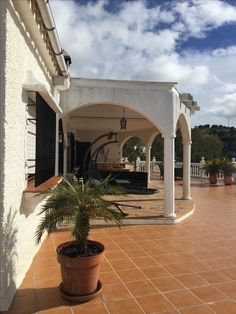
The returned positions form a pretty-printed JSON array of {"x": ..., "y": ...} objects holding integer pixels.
[
  {"x": 182, "y": 116},
  {"x": 18, "y": 243},
  {"x": 2, "y": 117},
  {"x": 109, "y": 153},
  {"x": 152, "y": 100}
]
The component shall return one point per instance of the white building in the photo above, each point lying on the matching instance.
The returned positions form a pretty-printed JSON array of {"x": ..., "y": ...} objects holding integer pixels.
[{"x": 36, "y": 91}]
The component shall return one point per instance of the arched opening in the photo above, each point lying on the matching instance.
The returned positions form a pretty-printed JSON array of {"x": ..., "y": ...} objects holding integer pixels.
[
  {"x": 88, "y": 121},
  {"x": 183, "y": 150},
  {"x": 133, "y": 149},
  {"x": 83, "y": 125},
  {"x": 157, "y": 150},
  {"x": 157, "y": 154},
  {"x": 184, "y": 128}
]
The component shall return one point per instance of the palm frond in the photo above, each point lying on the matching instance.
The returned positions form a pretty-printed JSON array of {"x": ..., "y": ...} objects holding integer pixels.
[{"x": 76, "y": 203}]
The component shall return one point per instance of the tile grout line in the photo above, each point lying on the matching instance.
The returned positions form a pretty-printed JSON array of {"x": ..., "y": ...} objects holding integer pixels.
[
  {"x": 134, "y": 297},
  {"x": 139, "y": 268},
  {"x": 162, "y": 293},
  {"x": 148, "y": 279}
]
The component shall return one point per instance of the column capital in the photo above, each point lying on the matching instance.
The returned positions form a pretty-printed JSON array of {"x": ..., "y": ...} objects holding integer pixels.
[{"x": 170, "y": 135}]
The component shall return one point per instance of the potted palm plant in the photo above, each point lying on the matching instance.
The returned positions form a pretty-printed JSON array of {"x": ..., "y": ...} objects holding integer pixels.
[
  {"x": 212, "y": 168},
  {"x": 227, "y": 168},
  {"x": 75, "y": 203}
]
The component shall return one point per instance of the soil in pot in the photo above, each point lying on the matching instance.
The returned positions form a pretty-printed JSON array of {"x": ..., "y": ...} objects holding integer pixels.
[{"x": 72, "y": 250}]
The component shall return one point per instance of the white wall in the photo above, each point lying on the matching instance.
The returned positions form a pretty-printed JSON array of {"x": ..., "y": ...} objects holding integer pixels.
[
  {"x": 182, "y": 115},
  {"x": 111, "y": 151},
  {"x": 2, "y": 142},
  {"x": 153, "y": 101},
  {"x": 17, "y": 243}
]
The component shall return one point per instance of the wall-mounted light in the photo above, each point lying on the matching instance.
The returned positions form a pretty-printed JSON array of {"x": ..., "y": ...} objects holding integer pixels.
[
  {"x": 123, "y": 121},
  {"x": 60, "y": 138}
]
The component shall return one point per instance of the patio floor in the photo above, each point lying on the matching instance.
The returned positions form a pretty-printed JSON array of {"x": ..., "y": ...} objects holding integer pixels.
[
  {"x": 152, "y": 205},
  {"x": 187, "y": 268}
]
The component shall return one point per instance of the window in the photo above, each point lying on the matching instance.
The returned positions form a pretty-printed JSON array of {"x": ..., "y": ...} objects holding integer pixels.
[
  {"x": 41, "y": 129},
  {"x": 31, "y": 137}
]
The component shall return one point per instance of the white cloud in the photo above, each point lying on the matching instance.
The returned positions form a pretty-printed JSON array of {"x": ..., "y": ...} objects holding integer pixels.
[
  {"x": 200, "y": 16},
  {"x": 130, "y": 44},
  {"x": 225, "y": 52},
  {"x": 225, "y": 106}
]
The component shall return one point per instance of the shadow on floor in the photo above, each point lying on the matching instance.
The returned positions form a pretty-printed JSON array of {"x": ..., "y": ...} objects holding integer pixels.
[{"x": 28, "y": 301}]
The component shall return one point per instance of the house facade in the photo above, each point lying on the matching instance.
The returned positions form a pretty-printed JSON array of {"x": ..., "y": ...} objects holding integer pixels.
[
  {"x": 33, "y": 70},
  {"x": 43, "y": 110}
]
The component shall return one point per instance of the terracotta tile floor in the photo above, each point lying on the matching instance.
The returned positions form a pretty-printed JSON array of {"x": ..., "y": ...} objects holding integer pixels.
[
  {"x": 187, "y": 268},
  {"x": 152, "y": 206}
]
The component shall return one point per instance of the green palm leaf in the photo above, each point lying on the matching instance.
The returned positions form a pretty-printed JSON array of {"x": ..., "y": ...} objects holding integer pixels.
[{"x": 76, "y": 203}]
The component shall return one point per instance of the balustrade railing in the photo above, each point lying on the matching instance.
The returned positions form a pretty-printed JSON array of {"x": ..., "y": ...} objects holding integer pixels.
[{"x": 196, "y": 169}]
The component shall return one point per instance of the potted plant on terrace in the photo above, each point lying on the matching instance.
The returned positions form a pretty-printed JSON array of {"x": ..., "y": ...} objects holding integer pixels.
[
  {"x": 227, "y": 168},
  {"x": 76, "y": 203},
  {"x": 212, "y": 168}
]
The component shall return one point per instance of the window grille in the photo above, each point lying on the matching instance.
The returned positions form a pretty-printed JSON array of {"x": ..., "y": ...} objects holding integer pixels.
[{"x": 41, "y": 129}]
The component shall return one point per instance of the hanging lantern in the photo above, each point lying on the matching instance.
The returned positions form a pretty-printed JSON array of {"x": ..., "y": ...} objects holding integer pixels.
[{"x": 123, "y": 121}]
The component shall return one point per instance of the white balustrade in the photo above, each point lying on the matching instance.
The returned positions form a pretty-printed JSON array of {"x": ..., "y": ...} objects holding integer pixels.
[
  {"x": 196, "y": 167},
  {"x": 141, "y": 165}
]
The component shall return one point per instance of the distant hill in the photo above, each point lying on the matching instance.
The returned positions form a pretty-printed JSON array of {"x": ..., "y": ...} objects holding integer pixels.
[
  {"x": 216, "y": 141},
  {"x": 213, "y": 141}
]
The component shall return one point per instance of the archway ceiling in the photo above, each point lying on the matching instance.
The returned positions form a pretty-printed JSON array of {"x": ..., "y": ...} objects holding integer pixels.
[{"x": 102, "y": 117}]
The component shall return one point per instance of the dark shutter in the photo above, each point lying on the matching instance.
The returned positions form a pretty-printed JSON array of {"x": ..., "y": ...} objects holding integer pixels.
[
  {"x": 76, "y": 153},
  {"x": 72, "y": 152},
  {"x": 61, "y": 148},
  {"x": 45, "y": 141}
]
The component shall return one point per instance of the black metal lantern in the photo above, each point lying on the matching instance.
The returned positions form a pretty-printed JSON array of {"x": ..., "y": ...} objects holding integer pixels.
[{"x": 123, "y": 121}]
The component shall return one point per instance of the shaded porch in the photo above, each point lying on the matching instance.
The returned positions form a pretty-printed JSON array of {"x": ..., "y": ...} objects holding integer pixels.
[{"x": 94, "y": 109}]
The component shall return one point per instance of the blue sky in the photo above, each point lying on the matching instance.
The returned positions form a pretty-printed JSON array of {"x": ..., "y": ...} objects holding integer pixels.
[{"x": 192, "y": 42}]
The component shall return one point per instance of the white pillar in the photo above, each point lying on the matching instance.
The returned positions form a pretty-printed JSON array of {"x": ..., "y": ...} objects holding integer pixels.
[
  {"x": 65, "y": 154},
  {"x": 148, "y": 161},
  {"x": 56, "y": 94},
  {"x": 186, "y": 170},
  {"x": 57, "y": 145},
  {"x": 137, "y": 164},
  {"x": 169, "y": 184}
]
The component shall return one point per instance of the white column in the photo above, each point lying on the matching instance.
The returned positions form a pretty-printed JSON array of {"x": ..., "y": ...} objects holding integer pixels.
[
  {"x": 148, "y": 161},
  {"x": 137, "y": 164},
  {"x": 56, "y": 94},
  {"x": 186, "y": 170},
  {"x": 169, "y": 184},
  {"x": 57, "y": 145},
  {"x": 65, "y": 154}
]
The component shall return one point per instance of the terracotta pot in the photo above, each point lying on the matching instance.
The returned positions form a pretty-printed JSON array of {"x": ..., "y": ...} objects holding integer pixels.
[
  {"x": 80, "y": 274},
  {"x": 212, "y": 179},
  {"x": 228, "y": 180}
]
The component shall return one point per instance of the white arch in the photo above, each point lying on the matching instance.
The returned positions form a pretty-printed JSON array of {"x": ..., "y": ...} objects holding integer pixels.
[
  {"x": 184, "y": 127},
  {"x": 121, "y": 145},
  {"x": 125, "y": 140},
  {"x": 152, "y": 138},
  {"x": 159, "y": 103},
  {"x": 153, "y": 101},
  {"x": 66, "y": 114},
  {"x": 186, "y": 136}
]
